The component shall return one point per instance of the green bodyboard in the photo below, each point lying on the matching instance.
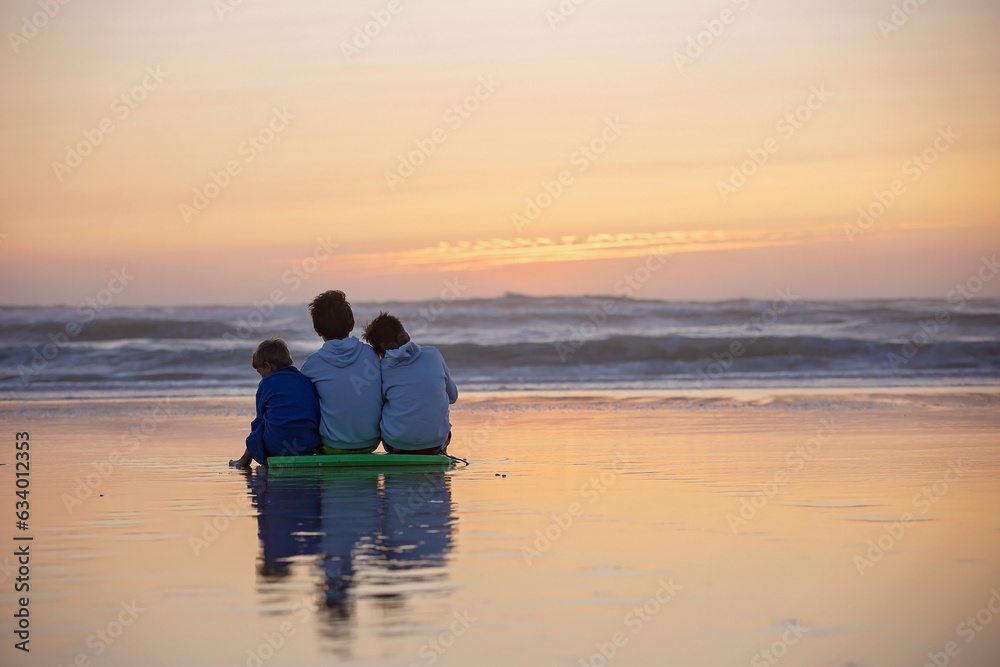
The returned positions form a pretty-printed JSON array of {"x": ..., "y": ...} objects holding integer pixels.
[{"x": 359, "y": 461}]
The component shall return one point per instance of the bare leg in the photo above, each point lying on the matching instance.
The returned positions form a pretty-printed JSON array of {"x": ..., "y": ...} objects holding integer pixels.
[{"x": 243, "y": 461}]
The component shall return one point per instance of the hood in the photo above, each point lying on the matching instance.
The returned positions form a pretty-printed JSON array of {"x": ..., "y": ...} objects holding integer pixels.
[
  {"x": 402, "y": 356},
  {"x": 342, "y": 352}
]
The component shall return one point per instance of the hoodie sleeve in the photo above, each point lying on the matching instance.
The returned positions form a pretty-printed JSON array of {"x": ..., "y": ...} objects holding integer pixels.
[{"x": 449, "y": 384}]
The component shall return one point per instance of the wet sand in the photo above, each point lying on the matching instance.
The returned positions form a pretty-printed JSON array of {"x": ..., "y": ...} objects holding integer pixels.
[{"x": 760, "y": 528}]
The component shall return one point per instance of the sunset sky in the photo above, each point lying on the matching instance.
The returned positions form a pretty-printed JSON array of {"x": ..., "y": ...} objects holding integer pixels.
[{"x": 313, "y": 121}]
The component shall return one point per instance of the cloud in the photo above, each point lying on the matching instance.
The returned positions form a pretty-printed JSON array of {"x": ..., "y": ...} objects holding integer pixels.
[{"x": 494, "y": 253}]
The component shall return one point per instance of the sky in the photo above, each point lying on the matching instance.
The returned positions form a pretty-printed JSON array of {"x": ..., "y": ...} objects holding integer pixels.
[{"x": 232, "y": 151}]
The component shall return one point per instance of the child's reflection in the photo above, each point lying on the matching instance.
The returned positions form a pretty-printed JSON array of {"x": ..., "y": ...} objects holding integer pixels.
[{"x": 387, "y": 530}]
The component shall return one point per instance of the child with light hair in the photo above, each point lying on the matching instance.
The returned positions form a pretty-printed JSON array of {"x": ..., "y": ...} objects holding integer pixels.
[{"x": 287, "y": 420}]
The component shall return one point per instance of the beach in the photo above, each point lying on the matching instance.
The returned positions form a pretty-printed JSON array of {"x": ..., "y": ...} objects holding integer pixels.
[
  {"x": 703, "y": 300},
  {"x": 801, "y": 526}
]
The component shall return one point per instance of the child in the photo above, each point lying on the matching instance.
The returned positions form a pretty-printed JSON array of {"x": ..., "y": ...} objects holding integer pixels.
[
  {"x": 346, "y": 375},
  {"x": 416, "y": 390},
  {"x": 287, "y": 421}
]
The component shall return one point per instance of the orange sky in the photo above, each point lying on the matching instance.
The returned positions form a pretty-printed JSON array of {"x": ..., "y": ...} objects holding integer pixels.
[{"x": 312, "y": 123}]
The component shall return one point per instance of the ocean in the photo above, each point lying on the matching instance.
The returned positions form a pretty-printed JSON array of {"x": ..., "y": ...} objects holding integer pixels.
[{"x": 516, "y": 342}]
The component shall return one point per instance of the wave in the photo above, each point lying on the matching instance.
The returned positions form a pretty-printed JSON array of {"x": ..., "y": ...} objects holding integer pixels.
[
  {"x": 769, "y": 353},
  {"x": 621, "y": 357},
  {"x": 516, "y": 341}
]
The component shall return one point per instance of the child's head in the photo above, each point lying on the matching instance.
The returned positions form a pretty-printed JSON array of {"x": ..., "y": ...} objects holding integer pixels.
[
  {"x": 385, "y": 332},
  {"x": 271, "y": 355},
  {"x": 332, "y": 316}
]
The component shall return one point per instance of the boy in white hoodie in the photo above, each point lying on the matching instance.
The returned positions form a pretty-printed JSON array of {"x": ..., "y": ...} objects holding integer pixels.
[
  {"x": 416, "y": 390},
  {"x": 346, "y": 375}
]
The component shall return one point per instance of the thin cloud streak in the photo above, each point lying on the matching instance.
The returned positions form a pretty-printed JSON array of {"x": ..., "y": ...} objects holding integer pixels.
[{"x": 494, "y": 253}]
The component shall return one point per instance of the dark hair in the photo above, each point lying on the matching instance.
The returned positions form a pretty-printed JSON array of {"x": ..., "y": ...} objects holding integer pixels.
[
  {"x": 332, "y": 316},
  {"x": 385, "y": 332},
  {"x": 272, "y": 351}
]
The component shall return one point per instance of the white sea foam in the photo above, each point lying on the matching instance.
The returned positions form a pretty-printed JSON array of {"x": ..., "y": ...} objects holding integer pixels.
[{"x": 516, "y": 342}]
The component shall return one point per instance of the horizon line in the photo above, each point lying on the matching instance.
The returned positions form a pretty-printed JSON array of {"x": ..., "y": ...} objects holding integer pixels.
[{"x": 507, "y": 295}]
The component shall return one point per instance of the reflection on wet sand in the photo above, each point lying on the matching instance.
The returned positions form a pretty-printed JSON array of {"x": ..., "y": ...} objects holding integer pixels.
[{"x": 388, "y": 532}]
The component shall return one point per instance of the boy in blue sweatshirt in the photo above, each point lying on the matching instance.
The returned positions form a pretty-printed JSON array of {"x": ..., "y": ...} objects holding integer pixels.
[
  {"x": 287, "y": 421},
  {"x": 346, "y": 374},
  {"x": 416, "y": 390}
]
